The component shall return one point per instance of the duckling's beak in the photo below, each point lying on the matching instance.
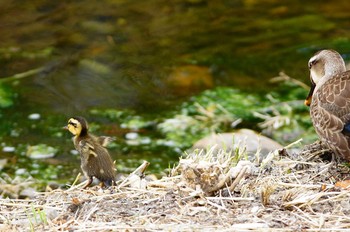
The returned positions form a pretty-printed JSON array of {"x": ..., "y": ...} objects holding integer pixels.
[
  {"x": 65, "y": 128},
  {"x": 308, "y": 100}
]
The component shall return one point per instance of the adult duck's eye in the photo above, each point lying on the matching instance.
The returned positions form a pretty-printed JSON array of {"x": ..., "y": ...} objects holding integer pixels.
[{"x": 312, "y": 63}]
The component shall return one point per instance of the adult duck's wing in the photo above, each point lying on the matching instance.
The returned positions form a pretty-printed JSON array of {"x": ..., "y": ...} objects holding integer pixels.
[
  {"x": 331, "y": 113},
  {"x": 334, "y": 95}
]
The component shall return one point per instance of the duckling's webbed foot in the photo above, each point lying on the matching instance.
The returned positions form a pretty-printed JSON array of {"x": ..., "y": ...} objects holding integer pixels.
[{"x": 88, "y": 183}]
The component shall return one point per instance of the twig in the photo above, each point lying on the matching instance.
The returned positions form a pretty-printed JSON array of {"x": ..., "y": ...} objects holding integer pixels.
[
  {"x": 217, "y": 206},
  {"x": 231, "y": 198},
  {"x": 93, "y": 210},
  {"x": 238, "y": 178},
  {"x": 138, "y": 171},
  {"x": 21, "y": 75},
  {"x": 310, "y": 186},
  {"x": 305, "y": 218},
  {"x": 284, "y": 77}
]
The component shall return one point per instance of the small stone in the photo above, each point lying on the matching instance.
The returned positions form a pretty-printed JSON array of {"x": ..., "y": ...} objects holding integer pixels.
[
  {"x": 3, "y": 162},
  {"x": 255, "y": 209},
  {"x": 8, "y": 149},
  {"x": 28, "y": 192},
  {"x": 34, "y": 116},
  {"x": 201, "y": 202},
  {"x": 132, "y": 135},
  {"x": 145, "y": 140},
  {"x": 169, "y": 143},
  {"x": 74, "y": 152},
  {"x": 21, "y": 171},
  {"x": 41, "y": 151}
]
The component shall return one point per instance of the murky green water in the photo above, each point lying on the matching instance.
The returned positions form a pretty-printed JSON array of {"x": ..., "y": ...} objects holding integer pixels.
[{"x": 143, "y": 59}]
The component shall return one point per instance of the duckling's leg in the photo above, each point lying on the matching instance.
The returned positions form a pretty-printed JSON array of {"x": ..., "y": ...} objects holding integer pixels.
[{"x": 88, "y": 183}]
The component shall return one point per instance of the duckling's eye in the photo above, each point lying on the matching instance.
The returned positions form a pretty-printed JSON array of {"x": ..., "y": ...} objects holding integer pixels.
[{"x": 73, "y": 124}]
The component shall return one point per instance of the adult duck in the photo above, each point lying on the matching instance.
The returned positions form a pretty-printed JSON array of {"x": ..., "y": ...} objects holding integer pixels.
[{"x": 329, "y": 101}]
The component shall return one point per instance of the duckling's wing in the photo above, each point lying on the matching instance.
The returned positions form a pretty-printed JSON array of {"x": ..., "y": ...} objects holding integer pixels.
[
  {"x": 87, "y": 149},
  {"x": 105, "y": 140}
]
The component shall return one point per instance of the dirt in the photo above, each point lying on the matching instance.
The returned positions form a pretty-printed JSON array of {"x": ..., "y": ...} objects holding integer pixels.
[{"x": 296, "y": 192}]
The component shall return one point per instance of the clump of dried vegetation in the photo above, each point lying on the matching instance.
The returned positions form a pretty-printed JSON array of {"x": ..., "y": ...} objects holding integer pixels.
[{"x": 206, "y": 191}]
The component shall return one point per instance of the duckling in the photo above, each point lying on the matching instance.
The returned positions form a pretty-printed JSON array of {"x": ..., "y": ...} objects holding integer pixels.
[
  {"x": 329, "y": 101},
  {"x": 95, "y": 159}
]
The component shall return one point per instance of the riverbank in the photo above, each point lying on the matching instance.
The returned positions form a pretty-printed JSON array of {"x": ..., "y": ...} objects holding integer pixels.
[{"x": 285, "y": 190}]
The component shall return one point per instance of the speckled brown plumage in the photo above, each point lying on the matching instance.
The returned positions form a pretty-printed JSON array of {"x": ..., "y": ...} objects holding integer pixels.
[
  {"x": 330, "y": 102},
  {"x": 95, "y": 159}
]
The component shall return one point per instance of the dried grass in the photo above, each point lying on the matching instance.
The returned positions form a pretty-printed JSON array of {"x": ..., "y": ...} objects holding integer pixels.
[{"x": 294, "y": 193}]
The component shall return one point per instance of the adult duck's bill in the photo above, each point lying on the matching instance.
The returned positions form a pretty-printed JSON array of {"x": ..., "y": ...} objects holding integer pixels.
[{"x": 308, "y": 100}]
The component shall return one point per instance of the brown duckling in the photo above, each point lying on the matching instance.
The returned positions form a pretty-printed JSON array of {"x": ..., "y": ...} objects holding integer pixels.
[
  {"x": 95, "y": 159},
  {"x": 329, "y": 101}
]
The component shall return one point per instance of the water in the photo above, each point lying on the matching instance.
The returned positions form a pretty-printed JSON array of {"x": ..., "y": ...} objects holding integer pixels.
[{"x": 145, "y": 58}]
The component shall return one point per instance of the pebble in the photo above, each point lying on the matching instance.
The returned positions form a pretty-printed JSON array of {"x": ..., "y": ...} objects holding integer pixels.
[
  {"x": 29, "y": 192},
  {"x": 3, "y": 162},
  {"x": 34, "y": 116},
  {"x": 21, "y": 171},
  {"x": 132, "y": 135},
  {"x": 146, "y": 140},
  {"x": 74, "y": 152},
  {"x": 255, "y": 209},
  {"x": 8, "y": 149}
]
